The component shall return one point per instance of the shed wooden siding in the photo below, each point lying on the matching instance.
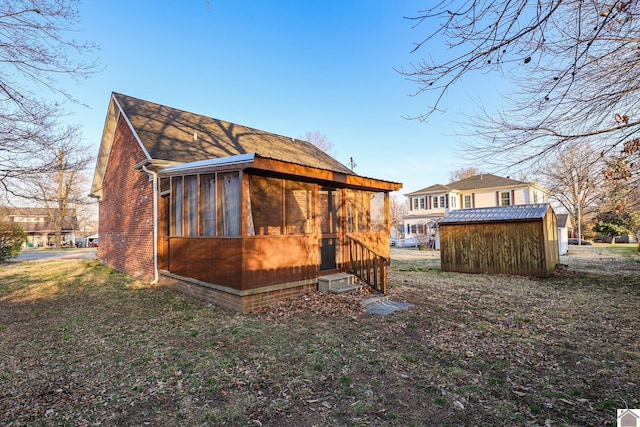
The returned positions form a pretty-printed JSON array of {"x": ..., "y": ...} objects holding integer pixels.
[
  {"x": 524, "y": 248},
  {"x": 551, "y": 242}
]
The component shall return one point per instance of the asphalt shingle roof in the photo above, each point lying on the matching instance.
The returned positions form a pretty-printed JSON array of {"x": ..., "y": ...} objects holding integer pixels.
[
  {"x": 180, "y": 136},
  {"x": 69, "y": 223},
  {"x": 476, "y": 182}
]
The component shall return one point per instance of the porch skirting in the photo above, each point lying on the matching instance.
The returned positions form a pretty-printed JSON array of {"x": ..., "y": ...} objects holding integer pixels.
[{"x": 240, "y": 301}]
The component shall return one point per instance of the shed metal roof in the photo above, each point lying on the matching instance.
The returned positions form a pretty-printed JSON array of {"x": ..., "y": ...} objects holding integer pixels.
[{"x": 495, "y": 214}]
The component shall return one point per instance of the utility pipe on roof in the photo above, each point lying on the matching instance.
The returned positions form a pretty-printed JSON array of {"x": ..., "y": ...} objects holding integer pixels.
[{"x": 154, "y": 175}]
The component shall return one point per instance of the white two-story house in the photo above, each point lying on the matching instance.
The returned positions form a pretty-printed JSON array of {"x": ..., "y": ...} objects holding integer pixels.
[{"x": 428, "y": 205}]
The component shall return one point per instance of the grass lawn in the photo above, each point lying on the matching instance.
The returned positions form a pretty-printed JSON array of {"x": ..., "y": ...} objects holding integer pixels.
[
  {"x": 622, "y": 249},
  {"x": 83, "y": 345}
]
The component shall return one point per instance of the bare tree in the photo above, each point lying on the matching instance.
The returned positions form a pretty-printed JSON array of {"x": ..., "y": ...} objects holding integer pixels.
[
  {"x": 574, "y": 64},
  {"x": 87, "y": 214},
  {"x": 398, "y": 210},
  {"x": 575, "y": 181},
  {"x": 61, "y": 188},
  {"x": 463, "y": 173},
  {"x": 321, "y": 141},
  {"x": 37, "y": 52}
]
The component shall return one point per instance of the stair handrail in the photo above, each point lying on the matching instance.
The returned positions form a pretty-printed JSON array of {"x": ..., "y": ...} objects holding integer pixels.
[{"x": 364, "y": 272}]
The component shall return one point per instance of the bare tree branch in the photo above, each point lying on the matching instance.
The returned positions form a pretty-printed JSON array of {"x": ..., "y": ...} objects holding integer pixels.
[
  {"x": 37, "y": 54},
  {"x": 574, "y": 64}
]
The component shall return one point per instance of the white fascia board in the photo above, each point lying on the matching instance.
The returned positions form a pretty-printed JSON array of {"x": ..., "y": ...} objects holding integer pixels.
[
  {"x": 133, "y": 130},
  {"x": 202, "y": 164}
]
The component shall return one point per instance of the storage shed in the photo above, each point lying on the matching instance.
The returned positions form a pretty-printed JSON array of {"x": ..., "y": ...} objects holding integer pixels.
[{"x": 518, "y": 239}]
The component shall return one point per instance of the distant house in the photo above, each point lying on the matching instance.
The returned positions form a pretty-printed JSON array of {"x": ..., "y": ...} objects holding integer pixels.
[
  {"x": 518, "y": 239},
  {"x": 563, "y": 233},
  {"x": 230, "y": 214},
  {"x": 38, "y": 223},
  {"x": 428, "y": 205}
]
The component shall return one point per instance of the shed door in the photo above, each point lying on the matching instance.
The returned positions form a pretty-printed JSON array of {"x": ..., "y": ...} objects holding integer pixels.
[{"x": 329, "y": 224}]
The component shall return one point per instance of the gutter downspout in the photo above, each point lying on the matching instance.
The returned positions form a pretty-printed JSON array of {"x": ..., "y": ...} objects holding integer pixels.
[{"x": 154, "y": 175}]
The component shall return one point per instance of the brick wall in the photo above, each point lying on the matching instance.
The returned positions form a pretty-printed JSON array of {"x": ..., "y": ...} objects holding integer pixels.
[{"x": 126, "y": 208}]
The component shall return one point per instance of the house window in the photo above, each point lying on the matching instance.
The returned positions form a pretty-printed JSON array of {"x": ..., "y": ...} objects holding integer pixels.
[
  {"x": 467, "y": 201},
  {"x": 21, "y": 218},
  {"x": 453, "y": 202},
  {"x": 191, "y": 205},
  {"x": 176, "y": 206},
  {"x": 208, "y": 205},
  {"x": 415, "y": 203},
  {"x": 505, "y": 198},
  {"x": 422, "y": 202},
  {"x": 443, "y": 201},
  {"x": 435, "y": 202}
]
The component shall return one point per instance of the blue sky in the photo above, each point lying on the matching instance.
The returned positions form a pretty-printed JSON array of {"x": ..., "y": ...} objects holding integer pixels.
[{"x": 285, "y": 67}]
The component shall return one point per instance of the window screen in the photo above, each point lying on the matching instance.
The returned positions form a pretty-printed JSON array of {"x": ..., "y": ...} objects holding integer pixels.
[
  {"x": 299, "y": 207},
  {"x": 191, "y": 205},
  {"x": 208, "y": 204},
  {"x": 176, "y": 205},
  {"x": 230, "y": 203},
  {"x": 265, "y": 196}
]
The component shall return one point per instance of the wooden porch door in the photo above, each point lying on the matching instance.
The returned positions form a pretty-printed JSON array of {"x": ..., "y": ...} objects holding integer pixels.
[{"x": 329, "y": 224}]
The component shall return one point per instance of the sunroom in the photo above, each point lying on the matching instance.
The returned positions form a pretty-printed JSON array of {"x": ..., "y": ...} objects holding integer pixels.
[{"x": 246, "y": 231}]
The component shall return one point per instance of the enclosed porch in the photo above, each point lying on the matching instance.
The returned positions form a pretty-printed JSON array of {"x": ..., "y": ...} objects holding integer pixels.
[{"x": 231, "y": 230}]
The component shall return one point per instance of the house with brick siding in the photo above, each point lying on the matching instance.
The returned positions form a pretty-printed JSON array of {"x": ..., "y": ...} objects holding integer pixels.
[{"x": 234, "y": 215}]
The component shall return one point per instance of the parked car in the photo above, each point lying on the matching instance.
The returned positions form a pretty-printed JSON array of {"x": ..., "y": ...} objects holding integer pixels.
[
  {"x": 94, "y": 243},
  {"x": 574, "y": 241},
  {"x": 625, "y": 238}
]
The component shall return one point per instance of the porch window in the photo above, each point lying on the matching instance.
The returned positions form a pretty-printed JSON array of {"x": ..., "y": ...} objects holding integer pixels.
[
  {"x": 299, "y": 207},
  {"x": 230, "y": 203},
  {"x": 359, "y": 211},
  {"x": 278, "y": 207},
  {"x": 265, "y": 198},
  {"x": 176, "y": 205},
  {"x": 208, "y": 205},
  {"x": 165, "y": 185},
  {"x": 377, "y": 211},
  {"x": 191, "y": 205}
]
